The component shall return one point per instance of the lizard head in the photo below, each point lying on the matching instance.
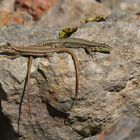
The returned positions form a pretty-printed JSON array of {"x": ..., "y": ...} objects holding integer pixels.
[
  {"x": 103, "y": 48},
  {"x": 6, "y": 49}
]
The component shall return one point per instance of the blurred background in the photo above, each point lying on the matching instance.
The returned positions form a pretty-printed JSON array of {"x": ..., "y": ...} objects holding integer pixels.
[{"x": 38, "y": 8}]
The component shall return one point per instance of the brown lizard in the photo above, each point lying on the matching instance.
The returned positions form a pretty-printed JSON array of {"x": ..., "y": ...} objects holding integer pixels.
[
  {"x": 34, "y": 51},
  {"x": 89, "y": 46}
]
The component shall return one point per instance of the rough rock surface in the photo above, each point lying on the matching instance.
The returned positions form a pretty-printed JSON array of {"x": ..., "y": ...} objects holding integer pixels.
[
  {"x": 109, "y": 84},
  {"x": 36, "y": 8},
  {"x": 6, "y": 5},
  {"x": 71, "y": 12},
  {"x": 127, "y": 127},
  {"x": 131, "y": 6},
  {"x": 7, "y": 18}
]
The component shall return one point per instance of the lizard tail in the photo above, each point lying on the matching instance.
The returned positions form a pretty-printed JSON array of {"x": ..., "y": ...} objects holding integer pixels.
[
  {"x": 76, "y": 64},
  {"x": 24, "y": 91}
]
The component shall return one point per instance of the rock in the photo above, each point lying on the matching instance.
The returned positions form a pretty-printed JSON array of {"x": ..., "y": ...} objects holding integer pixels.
[
  {"x": 7, "y": 18},
  {"x": 130, "y": 6},
  {"x": 6, "y": 5},
  {"x": 109, "y": 84},
  {"x": 70, "y": 12},
  {"x": 35, "y": 8},
  {"x": 126, "y": 128}
]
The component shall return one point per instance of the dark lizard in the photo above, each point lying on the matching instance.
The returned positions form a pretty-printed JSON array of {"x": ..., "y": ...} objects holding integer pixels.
[
  {"x": 89, "y": 46},
  {"x": 34, "y": 51}
]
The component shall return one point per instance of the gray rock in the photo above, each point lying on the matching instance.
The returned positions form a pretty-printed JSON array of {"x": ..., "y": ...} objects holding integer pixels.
[
  {"x": 130, "y": 6},
  {"x": 70, "y": 12},
  {"x": 109, "y": 84},
  {"x": 126, "y": 128}
]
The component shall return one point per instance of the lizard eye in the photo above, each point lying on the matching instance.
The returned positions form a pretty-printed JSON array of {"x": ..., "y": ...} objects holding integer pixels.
[{"x": 8, "y": 44}]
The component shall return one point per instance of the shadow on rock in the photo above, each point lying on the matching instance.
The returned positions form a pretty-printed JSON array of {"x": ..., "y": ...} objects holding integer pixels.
[{"x": 6, "y": 129}]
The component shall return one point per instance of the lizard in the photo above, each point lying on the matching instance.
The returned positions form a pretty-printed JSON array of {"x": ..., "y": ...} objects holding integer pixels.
[
  {"x": 34, "y": 51},
  {"x": 89, "y": 46}
]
